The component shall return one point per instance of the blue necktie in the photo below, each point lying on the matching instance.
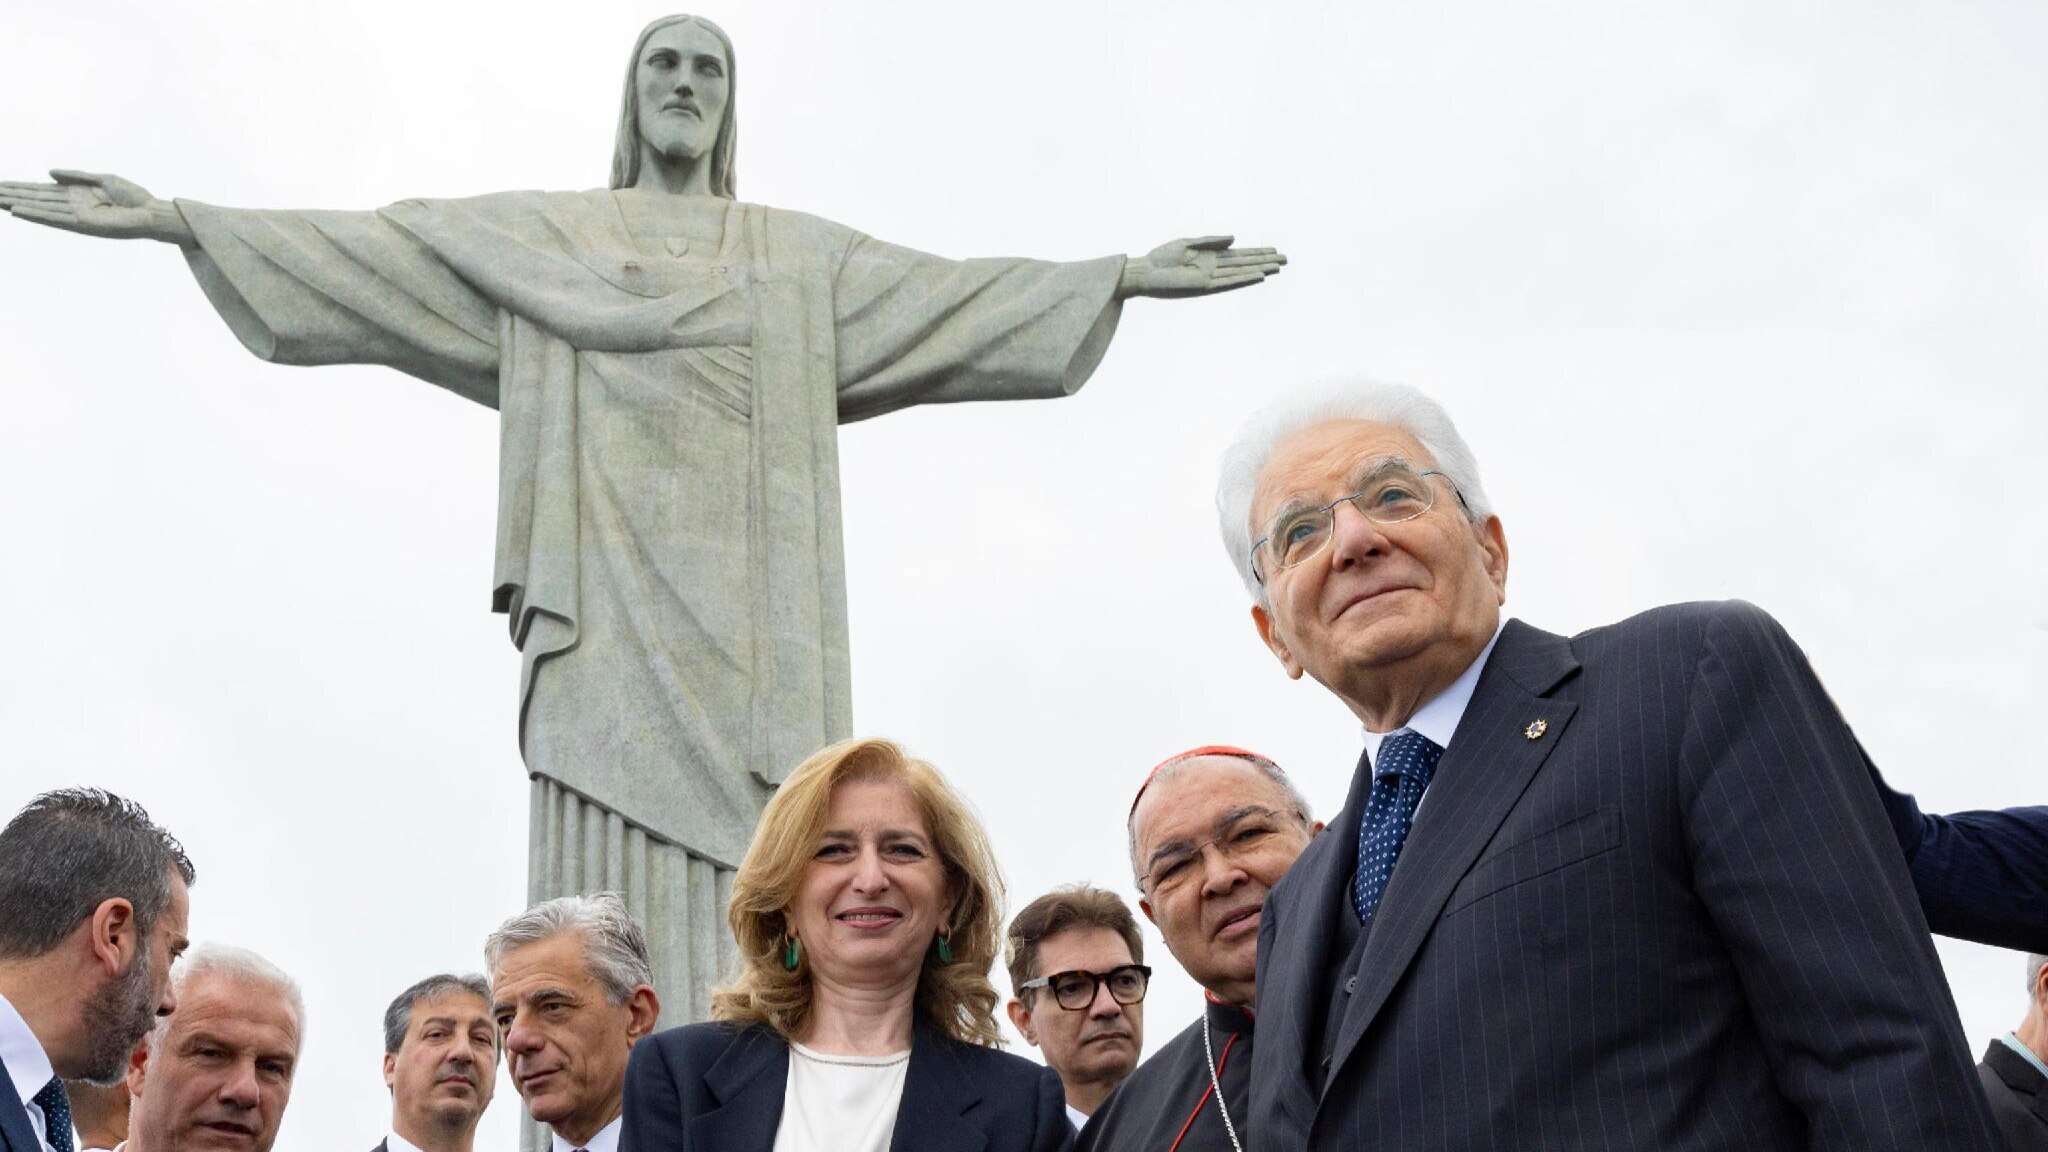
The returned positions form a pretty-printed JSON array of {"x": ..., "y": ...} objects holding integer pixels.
[
  {"x": 1402, "y": 770},
  {"x": 56, "y": 1115}
]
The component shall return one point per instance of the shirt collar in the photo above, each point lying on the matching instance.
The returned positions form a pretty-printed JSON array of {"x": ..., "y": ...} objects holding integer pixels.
[
  {"x": 393, "y": 1142},
  {"x": 2012, "y": 1040},
  {"x": 606, "y": 1140},
  {"x": 27, "y": 1064},
  {"x": 1439, "y": 715}
]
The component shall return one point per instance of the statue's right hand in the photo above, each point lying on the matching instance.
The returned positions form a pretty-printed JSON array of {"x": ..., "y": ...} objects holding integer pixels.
[{"x": 96, "y": 204}]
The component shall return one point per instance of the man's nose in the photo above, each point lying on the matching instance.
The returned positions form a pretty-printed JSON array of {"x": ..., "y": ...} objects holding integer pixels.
[
  {"x": 523, "y": 1037},
  {"x": 240, "y": 1089},
  {"x": 1220, "y": 874},
  {"x": 1104, "y": 1005},
  {"x": 1353, "y": 536}
]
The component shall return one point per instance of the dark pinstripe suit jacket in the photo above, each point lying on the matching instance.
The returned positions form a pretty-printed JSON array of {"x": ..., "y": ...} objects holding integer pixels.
[{"x": 1649, "y": 902}]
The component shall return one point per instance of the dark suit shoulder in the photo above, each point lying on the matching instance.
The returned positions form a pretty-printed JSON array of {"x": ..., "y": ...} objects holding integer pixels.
[
  {"x": 1690, "y": 622},
  {"x": 979, "y": 1060},
  {"x": 697, "y": 1045}
]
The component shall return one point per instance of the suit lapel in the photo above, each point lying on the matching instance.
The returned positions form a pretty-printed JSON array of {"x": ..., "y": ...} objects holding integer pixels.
[
  {"x": 748, "y": 1081},
  {"x": 936, "y": 1092},
  {"x": 1484, "y": 771},
  {"x": 14, "y": 1126},
  {"x": 2020, "y": 1076}
]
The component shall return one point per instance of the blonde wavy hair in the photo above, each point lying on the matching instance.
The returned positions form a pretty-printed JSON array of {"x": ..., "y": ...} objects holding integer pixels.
[{"x": 955, "y": 998}]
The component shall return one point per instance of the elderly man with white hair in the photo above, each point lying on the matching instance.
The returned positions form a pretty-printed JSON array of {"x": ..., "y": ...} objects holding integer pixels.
[
  {"x": 2015, "y": 1069},
  {"x": 1631, "y": 888},
  {"x": 572, "y": 991},
  {"x": 217, "y": 1072}
]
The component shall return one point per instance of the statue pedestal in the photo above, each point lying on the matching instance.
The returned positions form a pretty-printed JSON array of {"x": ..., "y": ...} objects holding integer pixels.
[{"x": 576, "y": 846}]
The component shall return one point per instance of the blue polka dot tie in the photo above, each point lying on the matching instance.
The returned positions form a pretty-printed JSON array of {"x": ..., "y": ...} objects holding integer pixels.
[
  {"x": 1406, "y": 761},
  {"x": 56, "y": 1115}
]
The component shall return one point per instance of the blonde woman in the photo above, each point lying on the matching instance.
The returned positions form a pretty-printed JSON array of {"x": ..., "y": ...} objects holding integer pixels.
[{"x": 868, "y": 913}]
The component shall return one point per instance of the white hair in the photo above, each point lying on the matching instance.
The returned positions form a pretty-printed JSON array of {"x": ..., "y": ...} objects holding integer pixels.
[
  {"x": 240, "y": 964},
  {"x": 1398, "y": 405},
  {"x": 613, "y": 946}
]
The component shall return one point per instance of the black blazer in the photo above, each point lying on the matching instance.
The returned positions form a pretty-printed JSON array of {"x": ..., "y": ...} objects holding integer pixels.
[
  {"x": 15, "y": 1133},
  {"x": 718, "y": 1088},
  {"x": 2019, "y": 1098},
  {"x": 1649, "y": 901}
]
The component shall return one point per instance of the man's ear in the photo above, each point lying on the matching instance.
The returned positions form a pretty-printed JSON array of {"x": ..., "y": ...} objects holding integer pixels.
[
  {"x": 1270, "y": 636},
  {"x": 113, "y": 938},
  {"x": 391, "y": 1071},
  {"x": 1145, "y": 906},
  {"x": 644, "y": 1008},
  {"x": 1493, "y": 541},
  {"x": 1021, "y": 1017},
  {"x": 137, "y": 1062},
  {"x": 1315, "y": 829}
]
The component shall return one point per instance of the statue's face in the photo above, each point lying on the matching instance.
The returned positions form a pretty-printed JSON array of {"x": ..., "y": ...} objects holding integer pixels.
[{"x": 683, "y": 80}]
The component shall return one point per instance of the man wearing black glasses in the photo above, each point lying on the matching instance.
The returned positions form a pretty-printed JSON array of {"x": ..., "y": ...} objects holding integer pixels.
[{"x": 1075, "y": 960}]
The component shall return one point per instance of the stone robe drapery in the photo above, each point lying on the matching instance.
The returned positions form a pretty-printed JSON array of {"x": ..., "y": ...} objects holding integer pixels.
[{"x": 668, "y": 513}]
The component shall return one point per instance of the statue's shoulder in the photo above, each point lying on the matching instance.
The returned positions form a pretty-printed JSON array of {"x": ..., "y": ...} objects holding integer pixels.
[{"x": 815, "y": 233}]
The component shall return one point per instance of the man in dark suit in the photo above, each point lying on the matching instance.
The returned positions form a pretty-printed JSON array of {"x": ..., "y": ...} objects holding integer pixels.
[
  {"x": 440, "y": 1062},
  {"x": 1630, "y": 888},
  {"x": 2015, "y": 1069},
  {"x": 92, "y": 912}
]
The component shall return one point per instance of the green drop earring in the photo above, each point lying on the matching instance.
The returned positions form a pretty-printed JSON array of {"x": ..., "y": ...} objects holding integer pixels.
[
  {"x": 945, "y": 948},
  {"x": 792, "y": 954}
]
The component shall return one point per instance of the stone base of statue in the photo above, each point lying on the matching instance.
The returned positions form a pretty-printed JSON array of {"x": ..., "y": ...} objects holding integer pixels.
[{"x": 577, "y": 846}]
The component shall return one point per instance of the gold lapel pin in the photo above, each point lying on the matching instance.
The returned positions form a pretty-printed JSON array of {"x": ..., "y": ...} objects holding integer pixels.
[{"x": 1536, "y": 729}]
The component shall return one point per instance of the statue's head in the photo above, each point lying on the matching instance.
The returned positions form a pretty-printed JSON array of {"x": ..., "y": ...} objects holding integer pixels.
[{"x": 680, "y": 88}]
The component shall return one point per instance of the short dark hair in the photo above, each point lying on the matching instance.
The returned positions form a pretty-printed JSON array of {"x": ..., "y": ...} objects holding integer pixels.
[
  {"x": 398, "y": 1017},
  {"x": 70, "y": 851},
  {"x": 1078, "y": 906}
]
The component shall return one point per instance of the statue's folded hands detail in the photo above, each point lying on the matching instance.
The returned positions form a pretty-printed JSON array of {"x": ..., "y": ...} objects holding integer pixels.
[{"x": 670, "y": 365}]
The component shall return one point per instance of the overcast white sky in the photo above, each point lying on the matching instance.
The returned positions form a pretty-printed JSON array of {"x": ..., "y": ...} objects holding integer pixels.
[{"x": 1732, "y": 299}]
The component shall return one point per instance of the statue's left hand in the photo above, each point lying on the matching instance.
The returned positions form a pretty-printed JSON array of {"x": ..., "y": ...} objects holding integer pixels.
[{"x": 1197, "y": 267}]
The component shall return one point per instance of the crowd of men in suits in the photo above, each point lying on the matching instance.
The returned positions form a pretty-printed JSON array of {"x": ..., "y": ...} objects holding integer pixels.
[{"x": 1639, "y": 887}]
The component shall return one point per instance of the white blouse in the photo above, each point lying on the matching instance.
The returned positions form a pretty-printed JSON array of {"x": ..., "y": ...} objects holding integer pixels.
[{"x": 840, "y": 1103}]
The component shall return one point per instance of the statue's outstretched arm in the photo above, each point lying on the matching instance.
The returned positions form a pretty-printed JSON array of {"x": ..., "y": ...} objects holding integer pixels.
[
  {"x": 1197, "y": 267},
  {"x": 96, "y": 204}
]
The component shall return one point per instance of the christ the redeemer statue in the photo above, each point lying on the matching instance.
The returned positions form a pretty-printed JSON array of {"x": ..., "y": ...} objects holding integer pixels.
[{"x": 670, "y": 365}]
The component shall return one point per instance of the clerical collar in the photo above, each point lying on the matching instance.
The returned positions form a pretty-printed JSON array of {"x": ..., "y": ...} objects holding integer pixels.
[
  {"x": 1438, "y": 717},
  {"x": 1225, "y": 1017}
]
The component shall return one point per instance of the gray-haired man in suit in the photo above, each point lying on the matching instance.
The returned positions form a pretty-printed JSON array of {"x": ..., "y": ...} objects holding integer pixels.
[
  {"x": 2015, "y": 1069},
  {"x": 440, "y": 1062},
  {"x": 1628, "y": 889}
]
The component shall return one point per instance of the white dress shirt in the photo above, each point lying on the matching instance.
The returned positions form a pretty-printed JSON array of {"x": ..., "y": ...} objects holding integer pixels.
[
  {"x": 27, "y": 1065},
  {"x": 606, "y": 1140},
  {"x": 1077, "y": 1118},
  {"x": 1439, "y": 715},
  {"x": 393, "y": 1142}
]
